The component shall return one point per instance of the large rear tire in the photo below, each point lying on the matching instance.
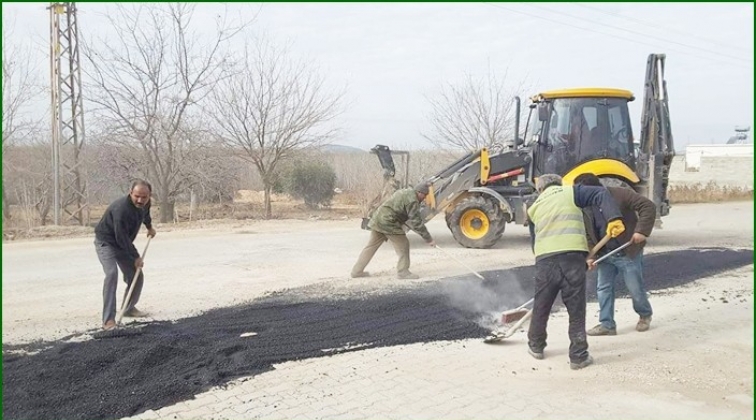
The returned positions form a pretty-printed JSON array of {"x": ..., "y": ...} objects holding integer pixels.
[{"x": 476, "y": 222}]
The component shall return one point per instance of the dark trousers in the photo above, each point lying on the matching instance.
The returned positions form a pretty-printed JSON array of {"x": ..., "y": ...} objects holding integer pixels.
[
  {"x": 111, "y": 262},
  {"x": 560, "y": 273}
]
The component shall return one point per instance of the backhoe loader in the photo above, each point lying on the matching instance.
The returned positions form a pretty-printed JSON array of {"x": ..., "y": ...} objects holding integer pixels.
[{"x": 568, "y": 132}]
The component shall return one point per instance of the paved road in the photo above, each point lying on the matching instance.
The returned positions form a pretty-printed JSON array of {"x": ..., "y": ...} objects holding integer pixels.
[
  {"x": 393, "y": 349},
  {"x": 169, "y": 362}
]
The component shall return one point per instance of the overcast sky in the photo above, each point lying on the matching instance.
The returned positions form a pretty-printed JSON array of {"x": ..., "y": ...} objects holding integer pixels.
[{"x": 391, "y": 56}]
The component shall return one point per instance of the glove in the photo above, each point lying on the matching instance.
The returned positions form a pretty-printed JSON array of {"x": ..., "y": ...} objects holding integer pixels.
[{"x": 615, "y": 228}]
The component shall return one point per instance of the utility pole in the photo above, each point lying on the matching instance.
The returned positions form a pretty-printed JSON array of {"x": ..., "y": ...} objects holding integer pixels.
[{"x": 70, "y": 186}]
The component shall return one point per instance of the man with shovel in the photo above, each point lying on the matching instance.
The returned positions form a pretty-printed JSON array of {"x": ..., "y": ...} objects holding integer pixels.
[
  {"x": 387, "y": 224},
  {"x": 114, "y": 243},
  {"x": 639, "y": 215},
  {"x": 560, "y": 248}
]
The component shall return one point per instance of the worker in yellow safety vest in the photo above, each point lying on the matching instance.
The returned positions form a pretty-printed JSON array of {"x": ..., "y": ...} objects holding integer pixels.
[{"x": 560, "y": 247}]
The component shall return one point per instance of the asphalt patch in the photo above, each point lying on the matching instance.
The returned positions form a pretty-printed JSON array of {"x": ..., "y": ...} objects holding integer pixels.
[
  {"x": 172, "y": 361},
  {"x": 661, "y": 271}
]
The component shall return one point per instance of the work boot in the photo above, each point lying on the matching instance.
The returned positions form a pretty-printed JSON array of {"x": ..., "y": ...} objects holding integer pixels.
[
  {"x": 588, "y": 361},
  {"x": 134, "y": 313},
  {"x": 601, "y": 330},
  {"x": 408, "y": 275},
  {"x": 538, "y": 355},
  {"x": 360, "y": 274},
  {"x": 644, "y": 323},
  {"x": 109, "y": 325}
]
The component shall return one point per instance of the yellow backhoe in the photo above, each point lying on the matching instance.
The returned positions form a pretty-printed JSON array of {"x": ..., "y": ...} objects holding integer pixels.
[{"x": 567, "y": 132}]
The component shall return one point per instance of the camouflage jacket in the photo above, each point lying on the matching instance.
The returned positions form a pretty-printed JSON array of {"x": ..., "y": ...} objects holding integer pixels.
[{"x": 399, "y": 209}]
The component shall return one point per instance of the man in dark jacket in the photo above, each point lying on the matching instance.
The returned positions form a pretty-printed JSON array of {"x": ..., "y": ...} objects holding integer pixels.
[
  {"x": 387, "y": 224},
  {"x": 561, "y": 249},
  {"x": 639, "y": 214},
  {"x": 114, "y": 243}
]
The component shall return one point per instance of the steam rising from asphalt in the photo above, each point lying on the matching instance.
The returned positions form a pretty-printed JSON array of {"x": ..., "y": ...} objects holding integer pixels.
[{"x": 487, "y": 298}]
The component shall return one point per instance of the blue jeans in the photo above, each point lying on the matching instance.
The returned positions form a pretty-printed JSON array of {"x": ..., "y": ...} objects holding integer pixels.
[{"x": 632, "y": 270}]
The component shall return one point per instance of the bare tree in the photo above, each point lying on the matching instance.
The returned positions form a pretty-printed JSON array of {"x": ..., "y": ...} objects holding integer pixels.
[
  {"x": 108, "y": 165},
  {"x": 270, "y": 109},
  {"x": 30, "y": 178},
  {"x": 19, "y": 90},
  {"x": 475, "y": 114},
  {"x": 146, "y": 83}
]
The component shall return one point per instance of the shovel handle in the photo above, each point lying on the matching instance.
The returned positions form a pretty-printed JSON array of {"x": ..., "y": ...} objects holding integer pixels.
[
  {"x": 461, "y": 263},
  {"x": 132, "y": 285},
  {"x": 599, "y": 245}
]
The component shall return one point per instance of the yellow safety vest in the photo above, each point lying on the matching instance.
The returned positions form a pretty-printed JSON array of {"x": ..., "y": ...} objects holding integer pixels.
[{"x": 558, "y": 222}]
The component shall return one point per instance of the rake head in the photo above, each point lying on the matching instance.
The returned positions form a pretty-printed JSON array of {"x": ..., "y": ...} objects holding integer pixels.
[
  {"x": 509, "y": 317},
  {"x": 511, "y": 322}
]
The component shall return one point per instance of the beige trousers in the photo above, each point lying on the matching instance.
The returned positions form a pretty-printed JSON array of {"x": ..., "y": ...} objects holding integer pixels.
[{"x": 401, "y": 246}]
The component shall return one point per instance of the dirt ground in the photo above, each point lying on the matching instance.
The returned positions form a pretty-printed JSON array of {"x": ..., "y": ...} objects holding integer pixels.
[{"x": 53, "y": 288}]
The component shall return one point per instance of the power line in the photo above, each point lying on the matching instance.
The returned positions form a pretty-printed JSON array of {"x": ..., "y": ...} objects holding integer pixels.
[
  {"x": 608, "y": 34},
  {"x": 653, "y": 25},
  {"x": 642, "y": 34}
]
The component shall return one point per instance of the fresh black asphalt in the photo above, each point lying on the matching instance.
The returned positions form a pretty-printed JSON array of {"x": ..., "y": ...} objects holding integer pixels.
[{"x": 172, "y": 361}]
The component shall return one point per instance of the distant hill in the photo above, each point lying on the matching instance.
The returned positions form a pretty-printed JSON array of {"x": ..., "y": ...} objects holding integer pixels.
[{"x": 337, "y": 148}]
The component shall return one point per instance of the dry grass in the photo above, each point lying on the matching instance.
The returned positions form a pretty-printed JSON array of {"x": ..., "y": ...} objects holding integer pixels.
[
  {"x": 24, "y": 225},
  {"x": 709, "y": 193}
]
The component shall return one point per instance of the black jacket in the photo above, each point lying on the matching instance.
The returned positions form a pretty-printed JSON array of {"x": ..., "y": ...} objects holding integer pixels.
[
  {"x": 120, "y": 225},
  {"x": 638, "y": 214}
]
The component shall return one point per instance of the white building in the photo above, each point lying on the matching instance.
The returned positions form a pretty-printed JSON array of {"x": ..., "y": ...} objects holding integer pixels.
[{"x": 694, "y": 153}]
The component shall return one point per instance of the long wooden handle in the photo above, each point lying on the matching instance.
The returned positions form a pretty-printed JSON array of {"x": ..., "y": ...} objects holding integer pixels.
[
  {"x": 461, "y": 263},
  {"x": 599, "y": 245},
  {"x": 513, "y": 329},
  {"x": 132, "y": 285}
]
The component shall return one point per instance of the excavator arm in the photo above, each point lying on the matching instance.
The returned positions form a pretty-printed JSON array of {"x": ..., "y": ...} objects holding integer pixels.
[
  {"x": 391, "y": 182},
  {"x": 656, "y": 147}
]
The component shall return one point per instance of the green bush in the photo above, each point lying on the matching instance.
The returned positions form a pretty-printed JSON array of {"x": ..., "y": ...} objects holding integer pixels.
[
  {"x": 311, "y": 181},
  {"x": 279, "y": 186}
]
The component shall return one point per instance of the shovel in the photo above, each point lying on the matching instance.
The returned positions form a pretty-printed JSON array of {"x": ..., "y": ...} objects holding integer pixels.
[
  {"x": 132, "y": 285},
  {"x": 511, "y": 321},
  {"x": 599, "y": 245},
  {"x": 118, "y": 331}
]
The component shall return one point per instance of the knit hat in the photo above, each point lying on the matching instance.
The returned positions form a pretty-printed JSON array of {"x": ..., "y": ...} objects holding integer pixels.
[
  {"x": 546, "y": 180},
  {"x": 422, "y": 188}
]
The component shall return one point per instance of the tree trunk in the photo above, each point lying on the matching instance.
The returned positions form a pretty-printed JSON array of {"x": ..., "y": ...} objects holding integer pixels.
[
  {"x": 167, "y": 203},
  {"x": 268, "y": 207},
  {"x": 193, "y": 203},
  {"x": 43, "y": 212},
  {"x": 166, "y": 210},
  {"x": 6, "y": 206}
]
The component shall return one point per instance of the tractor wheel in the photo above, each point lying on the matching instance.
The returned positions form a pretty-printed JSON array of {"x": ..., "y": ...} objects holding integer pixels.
[{"x": 476, "y": 222}]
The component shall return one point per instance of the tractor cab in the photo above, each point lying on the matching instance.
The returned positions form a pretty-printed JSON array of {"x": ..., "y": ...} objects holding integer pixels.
[{"x": 572, "y": 127}]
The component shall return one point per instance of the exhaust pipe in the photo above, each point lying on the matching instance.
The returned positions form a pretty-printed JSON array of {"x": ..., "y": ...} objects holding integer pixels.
[{"x": 513, "y": 145}]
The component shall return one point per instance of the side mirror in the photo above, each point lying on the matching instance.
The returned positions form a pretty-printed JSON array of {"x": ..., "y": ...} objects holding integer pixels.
[
  {"x": 543, "y": 111},
  {"x": 520, "y": 141}
]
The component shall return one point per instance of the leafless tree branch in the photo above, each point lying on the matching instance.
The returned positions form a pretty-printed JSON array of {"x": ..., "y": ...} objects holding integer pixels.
[
  {"x": 475, "y": 114},
  {"x": 146, "y": 85},
  {"x": 271, "y": 108}
]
